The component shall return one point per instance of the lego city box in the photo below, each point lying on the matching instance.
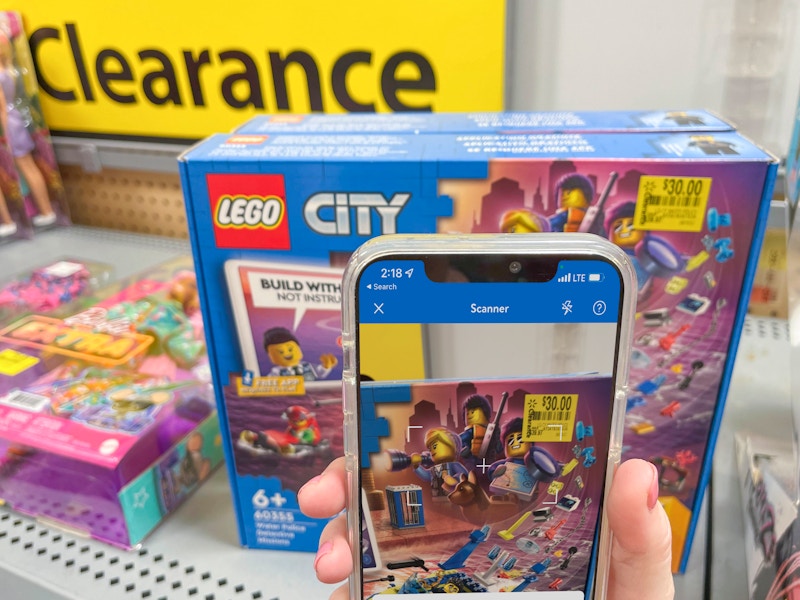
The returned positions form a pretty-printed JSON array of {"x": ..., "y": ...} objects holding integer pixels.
[
  {"x": 107, "y": 417},
  {"x": 689, "y": 208},
  {"x": 489, "y": 122}
]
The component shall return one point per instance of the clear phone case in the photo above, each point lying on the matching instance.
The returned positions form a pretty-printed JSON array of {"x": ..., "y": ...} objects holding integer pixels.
[{"x": 570, "y": 246}]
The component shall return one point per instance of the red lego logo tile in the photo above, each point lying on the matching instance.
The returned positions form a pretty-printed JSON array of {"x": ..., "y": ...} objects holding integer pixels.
[{"x": 249, "y": 211}]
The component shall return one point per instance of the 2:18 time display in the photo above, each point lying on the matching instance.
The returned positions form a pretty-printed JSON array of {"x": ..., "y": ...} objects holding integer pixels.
[{"x": 396, "y": 273}]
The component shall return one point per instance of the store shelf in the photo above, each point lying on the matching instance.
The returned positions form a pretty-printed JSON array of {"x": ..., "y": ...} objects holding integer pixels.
[
  {"x": 196, "y": 548},
  {"x": 758, "y": 403},
  {"x": 127, "y": 253},
  {"x": 94, "y": 155},
  {"x": 194, "y": 555}
]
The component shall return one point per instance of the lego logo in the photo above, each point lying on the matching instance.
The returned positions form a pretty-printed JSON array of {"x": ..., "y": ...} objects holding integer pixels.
[{"x": 250, "y": 212}]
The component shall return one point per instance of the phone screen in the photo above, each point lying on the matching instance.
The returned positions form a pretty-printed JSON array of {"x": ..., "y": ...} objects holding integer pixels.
[{"x": 486, "y": 394}]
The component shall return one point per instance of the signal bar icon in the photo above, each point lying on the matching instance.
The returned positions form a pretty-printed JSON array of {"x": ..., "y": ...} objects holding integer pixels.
[{"x": 565, "y": 278}]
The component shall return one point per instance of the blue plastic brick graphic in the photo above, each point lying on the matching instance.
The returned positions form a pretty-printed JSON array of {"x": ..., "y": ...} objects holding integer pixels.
[{"x": 405, "y": 506}]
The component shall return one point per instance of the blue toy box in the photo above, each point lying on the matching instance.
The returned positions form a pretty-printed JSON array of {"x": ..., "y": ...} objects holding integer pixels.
[
  {"x": 490, "y": 122},
  {"x": 272, "y": 217}
]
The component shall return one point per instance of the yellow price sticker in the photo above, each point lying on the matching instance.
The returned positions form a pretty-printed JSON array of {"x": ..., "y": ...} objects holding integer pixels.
[
  {"x": 671, "y": 203},
  {"x": 13, "y": 362},
  {"x": 549, "y": 417}
]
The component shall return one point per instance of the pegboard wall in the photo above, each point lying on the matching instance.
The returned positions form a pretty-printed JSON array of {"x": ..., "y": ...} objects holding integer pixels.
[{"x": 138, "y": 201}]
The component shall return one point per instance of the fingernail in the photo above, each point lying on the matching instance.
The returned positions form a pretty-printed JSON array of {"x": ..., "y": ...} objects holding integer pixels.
[
  {"x": 310, "y": 482},
  {"x": 322, "y": 551},
  {"x": 652, "y": 494}
]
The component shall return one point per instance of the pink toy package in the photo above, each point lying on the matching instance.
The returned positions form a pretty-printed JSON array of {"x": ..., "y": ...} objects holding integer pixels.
[
  {"x": 50, "y": 286},
  {"x": 107, "y": 417},
  {"x": 34, "y": 189}
]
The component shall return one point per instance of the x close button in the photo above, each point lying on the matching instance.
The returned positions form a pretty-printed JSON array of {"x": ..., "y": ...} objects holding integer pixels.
[{"x": 378, "y": 308}]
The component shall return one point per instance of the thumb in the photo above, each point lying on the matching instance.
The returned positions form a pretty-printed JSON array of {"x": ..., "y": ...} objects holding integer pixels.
[{"x": 641, "y": 551}]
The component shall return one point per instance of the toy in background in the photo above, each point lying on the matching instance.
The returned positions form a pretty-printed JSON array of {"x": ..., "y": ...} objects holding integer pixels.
[
  {"x": 770, "y": 290},
  {"x": 8, "y": 226},
  {"x": 180, "y": 475},
  {"x": 174, "y": 323},
  {"x": 21, "y": 142},
  {"x": 24, "y": 127},
  {"x": 76, "y": 389},
  {"x": 113, "y": 486},
  {"x": 49, "y": 287},
  {"x": 145, "y": 336},
  {"x": 129, "y": 409},
  {"x": 106, "y": 420},
  {"x": 106, "y": 399},
  {"x": 15, "y": 221},
  {"x": 767, "y": 483}
]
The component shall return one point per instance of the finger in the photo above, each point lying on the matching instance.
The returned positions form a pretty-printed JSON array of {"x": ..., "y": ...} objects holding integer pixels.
[
  {"x": 341, "y": 593},
  {"x": 334, "y": 560},
  {"x": 324, "y": 495},
  {"x": 641, "y": 553}
]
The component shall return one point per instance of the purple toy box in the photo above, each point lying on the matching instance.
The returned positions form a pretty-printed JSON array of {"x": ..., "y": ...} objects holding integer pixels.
[{"x": 107, "y": 419}]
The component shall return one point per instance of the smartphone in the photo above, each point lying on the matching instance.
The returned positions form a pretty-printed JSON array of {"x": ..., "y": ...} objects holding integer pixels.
[{"x": 480, "y": 452}]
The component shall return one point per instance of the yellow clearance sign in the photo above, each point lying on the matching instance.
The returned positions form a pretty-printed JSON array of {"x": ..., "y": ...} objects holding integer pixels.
[{"x": 184, "y": 69}]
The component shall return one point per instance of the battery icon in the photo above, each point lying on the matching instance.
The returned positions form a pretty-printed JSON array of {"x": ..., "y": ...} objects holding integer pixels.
[{"x": 595, "y": 276}]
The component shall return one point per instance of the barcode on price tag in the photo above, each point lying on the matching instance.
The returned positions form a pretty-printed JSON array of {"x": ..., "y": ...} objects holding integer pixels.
[
  {"x": 549, "y": 417},
  {"x": 26, "y": 400}
]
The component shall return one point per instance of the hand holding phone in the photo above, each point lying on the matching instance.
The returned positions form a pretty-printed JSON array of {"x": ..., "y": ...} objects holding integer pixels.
[
  {"x": 640, "y": 557},
  {"x": 528, "y": 334}
]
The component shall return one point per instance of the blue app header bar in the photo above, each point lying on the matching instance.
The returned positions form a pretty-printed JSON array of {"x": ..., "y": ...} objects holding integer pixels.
[{"x": 582, "y": 291}]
